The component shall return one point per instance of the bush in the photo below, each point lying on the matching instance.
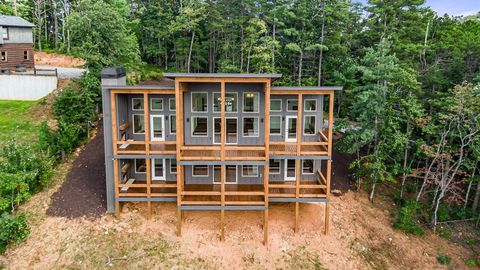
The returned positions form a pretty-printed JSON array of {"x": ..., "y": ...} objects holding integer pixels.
[
  {"x": 406, "y": 219},
  {"x": 74, "y": 106},
  {"x": 444, "y": 259},
  {"x": 13, "y": 229},
  {"x": 470, "y": 262}
]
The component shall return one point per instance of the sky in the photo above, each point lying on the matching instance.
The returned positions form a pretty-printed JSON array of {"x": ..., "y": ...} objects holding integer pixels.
[{"x": 452, "y": 7}]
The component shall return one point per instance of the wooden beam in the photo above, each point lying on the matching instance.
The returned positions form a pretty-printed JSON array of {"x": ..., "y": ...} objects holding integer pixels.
[
  {"x": 113, "y": 107},
  {"x": 116, "y": 183},
  {"x": 298, "y": 162},
  {"x": 179, "y": 141},
  {"x": 149, "y": 189},
  {"x": 222, "y": 157},
  {"x": 304, "y": 92},
  {"x": 266, "y": 168},
  {"x": 224, "y": 80},
  {"x": 330, "y": 123},
  {"x": 141, "y": 91}
]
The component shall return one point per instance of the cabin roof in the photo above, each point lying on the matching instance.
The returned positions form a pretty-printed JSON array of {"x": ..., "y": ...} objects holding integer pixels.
[
  {"x": 221, "y": 75},
  {"x": 307, "y": 88},
  {"x": 14, "y": 21}
]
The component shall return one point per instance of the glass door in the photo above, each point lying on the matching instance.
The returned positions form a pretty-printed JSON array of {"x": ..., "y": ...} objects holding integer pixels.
[
  {"x": 158, "y": 169},
  {"x": 157, "y": 128},
  {"x": 291, "y": 129},
  {"x": 231, "y": 130},
  {"x": 290, "y": 170}
]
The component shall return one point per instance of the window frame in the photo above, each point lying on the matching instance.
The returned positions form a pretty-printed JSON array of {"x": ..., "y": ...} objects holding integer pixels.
[
  {"x": 135, "y": 163},
  {"x": 191, "y": 127},
  {"x": 6, "y": 56},
  {"x": 176, "y": 166},
  {"x": 288, "y": 100},
  {"x": 313, "y": 167},
  {"x": 170, "y": 123},
  {"x": 257, "y": 174},
  {"x": 133, "y": 123},
  {"x": 191, "y": 102},
  {"x": 243, "y": 103},
  {"x": 152, "y": 128},
  {"x": 170, "y": 106},
  {"x": 305, "y": 105},
  {"x": 8, "y": 33},
  {"x": 226, "y": 183},
  {"x": 151, "y": 105},
  {"x": 279, "y": 167},
  {"x": 314, "y": 127},
  {"x": 243, "y": 127},
  {"x": 143, "y": 104},
  {"x": 193, "y": 171},
  {"x": 280, "y": 131},
  {"x": 281, "y": 103},
  {"x": 164, "y": 169},
  {"x": 213, "y": 101}
]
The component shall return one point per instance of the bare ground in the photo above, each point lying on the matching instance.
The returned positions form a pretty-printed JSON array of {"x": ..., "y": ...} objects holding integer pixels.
[{"x": 58, "y": 60}]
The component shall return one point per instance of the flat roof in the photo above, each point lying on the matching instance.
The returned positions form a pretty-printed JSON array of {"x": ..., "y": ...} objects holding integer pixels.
[
  {"x": 307, "y": 88},
  {"x": 139, "y": 87},
  {"x": 14, "y": 21},
  {"x": 221, "y": 75}
]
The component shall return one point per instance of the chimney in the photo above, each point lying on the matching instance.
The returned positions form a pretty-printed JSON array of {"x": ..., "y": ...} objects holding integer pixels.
[{"x": 114, "y": 76}]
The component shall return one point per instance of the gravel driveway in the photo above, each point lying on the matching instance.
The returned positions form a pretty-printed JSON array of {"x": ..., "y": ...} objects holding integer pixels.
[{"x": 65, "y": 73}]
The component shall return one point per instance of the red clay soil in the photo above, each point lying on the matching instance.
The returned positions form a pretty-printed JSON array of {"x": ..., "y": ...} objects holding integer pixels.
[{"x": 83, "y": 192}]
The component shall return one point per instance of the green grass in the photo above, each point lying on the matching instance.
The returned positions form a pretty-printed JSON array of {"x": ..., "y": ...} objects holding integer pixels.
[{"x": 17, "y": 121}]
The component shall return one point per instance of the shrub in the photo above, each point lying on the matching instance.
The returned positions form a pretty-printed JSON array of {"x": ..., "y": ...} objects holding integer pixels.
[
  {"x": 470, "y": 262},
  {"x": 13, "y": 229},
  {"x": 74, "y": 106},
  {"x": 444, "y": 259},
  {"x": 406, "y": 219}
]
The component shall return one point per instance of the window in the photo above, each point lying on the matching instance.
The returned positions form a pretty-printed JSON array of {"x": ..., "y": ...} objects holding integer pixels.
[
  {"x": 173, "y": 124},
  {"x": 251, "y": 102},
  {"x": 307, "y": 166},
  {"x": 274, "y": 166},
  {"x": 275, "y": 125},
  {"x": 200, "y": 171},
  {"x": 250, "y": 127},
  {"x": 140, "y": 166},
  {"x": 171, "y": 104},
  {"x": 173, "y": 166},
  {"x": 231, "y": 102},
  {"x": 276, "y": 105},
  {"x": 26, "y": 55},
  {"x": 3, "y": 56},
  {"x": 199, "y": 126},
  {"x": 157, "y": 104},
  {"x": 138, "y": 124},
  {"x": 292, "y": 105},
  {"x": 4, "y": 33},
  {"x": 309, "y": 124},
  {"x": 137, "y": 104},
  {"x": 230, "y": 174},
  {"x": 249, "y": 171},
  {"x": 310, "y": 105},
  {"x": 158, "y": 169},
  {"x": 199, "y": 102}
]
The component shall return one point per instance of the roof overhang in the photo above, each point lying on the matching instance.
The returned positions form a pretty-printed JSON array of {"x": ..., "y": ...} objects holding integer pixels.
[
  {"x": 307, "y": 88},
  {"x": 223, "y": 75}
]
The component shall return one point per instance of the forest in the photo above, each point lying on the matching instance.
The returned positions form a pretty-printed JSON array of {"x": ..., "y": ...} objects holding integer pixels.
[{"x": 409, "y": 110}]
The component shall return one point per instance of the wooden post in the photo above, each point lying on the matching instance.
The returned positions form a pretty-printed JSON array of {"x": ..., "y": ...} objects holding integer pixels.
[
  {"x": 298, "y": 161},
  {"x": 148, "y": 163},
  {"x": 266, "y": 168},
  {"x": 327, "y": 204},
  {"x": 115, "y": 181},
  {"x": 330, "y": 122},
  {"x": 179, "y": 143},
  {"x": 222, "y": 155}
]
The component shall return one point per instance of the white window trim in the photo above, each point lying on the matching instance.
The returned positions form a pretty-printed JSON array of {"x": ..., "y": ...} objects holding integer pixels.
[
  {"x": 289, "y": 179},
  {"x": 193, "y": 170},
  {"x": 191, "y": 127},
  {"x": 256, "y": 175},
  {"x": 304, "y": 173},
  {"x": 133, "y": 121},
  {"x": 170, "y": 123},
  {"x": 213, "y": 102},
  {"x": 152, "y": 162},
  {"x": 305, "y": 106},
  {"x": 151, "y": 105},
  {"x": 226, "y": 183},
  {"x": 135, "y": 163},
  {"x": 258, "y": 129},
  {"x": 315, "y": 127},
  {"x": 161, "y": 139},
  {"x": 171, "y": 172},
  {"x": 287, "y": 139},
  {"x": 287, "y": 105},
  {"x": 170, "y": 102},
  {"x": 280, "y": 132},
  {"x": 279, "y": 167},
  {"x": 281, "y": 104},
  {"x": 191, "y": 102},
  {"x": 138, "y": 109},
  {"x": 243, "y": 102},
  {"x": 213, "y": 138},
  {"x": 28, "y": 55}
]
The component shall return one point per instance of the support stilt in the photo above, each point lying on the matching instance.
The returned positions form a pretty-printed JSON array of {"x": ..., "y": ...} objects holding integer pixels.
[
  {"x": 179, "y": 222},
  {"x": 265, "y": 227},
  {"x": 297, "y": 206},
  {"x": 149, "y": 210},
  {"x": 327, "y": 217},
  {"x": 222, "y": 225},
  {"x": 118, "y": 209}
]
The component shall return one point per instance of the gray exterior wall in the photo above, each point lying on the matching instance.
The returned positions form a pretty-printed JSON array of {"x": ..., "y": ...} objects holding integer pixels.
[{"x": 17, "y": 35}]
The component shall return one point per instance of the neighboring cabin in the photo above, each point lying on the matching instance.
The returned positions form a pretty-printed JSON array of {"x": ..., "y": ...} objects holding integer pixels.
[{"x": 16, "y": 42}]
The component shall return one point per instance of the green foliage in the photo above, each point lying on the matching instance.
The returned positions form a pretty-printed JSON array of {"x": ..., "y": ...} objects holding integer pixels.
[
  {"x": 444, "y": 259},
  {"x": 407, "y": 218},
  {"x": 471, "y": 241},
  {"x": 470, "y": 262},
  {"x": 445, "y": 234},
  {"x": 74, "y": 106},
  {"x": 13, "y": 229}
]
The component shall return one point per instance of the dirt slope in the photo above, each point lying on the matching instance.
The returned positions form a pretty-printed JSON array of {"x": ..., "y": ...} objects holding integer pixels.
[{"x": 57, "y": 60}]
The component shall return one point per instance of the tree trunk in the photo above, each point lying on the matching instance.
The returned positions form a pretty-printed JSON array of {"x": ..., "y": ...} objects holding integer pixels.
[
  {"x": 190, "y": 52},
  {"x": 477, "y": 197},
  {"x": 55, "y": 24},
  {"x": 372, "y": 193},
  {"x": 273, "y": 44},
  {"x": 300, "y": 64},
  {"x": 320, "y": 58},
  {"x": 15, "y": 7},
  {"x": 405, "y": 157},
  {"x": 470, "y": 186},
  {"x": 241, "y": 51}
]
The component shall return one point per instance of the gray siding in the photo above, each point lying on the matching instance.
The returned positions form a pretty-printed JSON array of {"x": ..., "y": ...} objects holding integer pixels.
[{"x": 18, "y": 35}]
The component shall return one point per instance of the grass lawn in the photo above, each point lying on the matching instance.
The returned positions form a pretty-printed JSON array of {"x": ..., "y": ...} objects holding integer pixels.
[{"x": 17, "y": 120}]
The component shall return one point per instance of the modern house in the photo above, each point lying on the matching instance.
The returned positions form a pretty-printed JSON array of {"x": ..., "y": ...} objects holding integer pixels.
[
  {"x": 217, "y": 142},
  {"x": 16, "y": 43}
]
